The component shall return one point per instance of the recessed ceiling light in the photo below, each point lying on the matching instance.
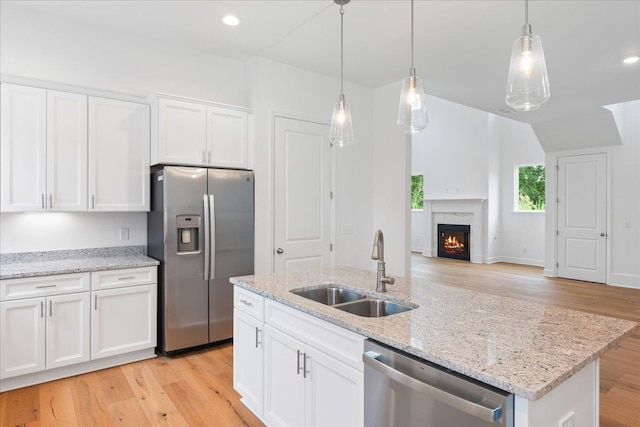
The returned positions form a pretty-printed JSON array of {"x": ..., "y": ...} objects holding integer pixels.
[
  {"x": 231, "y": 20},
  {"x": 631, "y": 59}
]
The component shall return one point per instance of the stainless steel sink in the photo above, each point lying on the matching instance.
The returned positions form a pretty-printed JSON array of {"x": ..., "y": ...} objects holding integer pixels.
[
  {"x": 330, "y": 295},
  {"x": 374, "y": 308}
]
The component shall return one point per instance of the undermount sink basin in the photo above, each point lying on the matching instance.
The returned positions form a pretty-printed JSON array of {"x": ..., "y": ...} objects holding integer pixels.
[
  {"x": 352, "y": 301},
  {"x": 374, "y": 308},
  {"x": 330, "y": 295}
]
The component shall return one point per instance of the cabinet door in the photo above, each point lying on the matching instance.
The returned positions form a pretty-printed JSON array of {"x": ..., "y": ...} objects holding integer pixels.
[
  {"x": 66, "y": 151},
  {"x": 182, "y": 132},
  {"x": 284, "y": 382},
  {"x": 335, "y": 392},
  {"x": 22, "y": 337},
  {"x": 123, "y": 320},
  {"x": 68, "y": 330},
  {"x": 248, "y": 334},
  {"x": 23, "y": 148},
  {"x": 118, "y": 155},
  {"x": 227, "y": 138}
]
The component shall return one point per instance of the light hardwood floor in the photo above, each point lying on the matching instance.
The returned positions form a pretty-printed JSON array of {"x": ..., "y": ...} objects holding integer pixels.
[{"x": 196, "y": 389}]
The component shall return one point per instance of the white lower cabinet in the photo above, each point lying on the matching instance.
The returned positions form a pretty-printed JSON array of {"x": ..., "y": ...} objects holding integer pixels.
[
  {"x": 123, "y": 320},
  {"x": 43, "y": 333},
  {"x": 313, "y": 370},
  {"x": 284, "y": 379},
  {"x": 55, "y": 326},
  {"x": 248, "y": 344}
]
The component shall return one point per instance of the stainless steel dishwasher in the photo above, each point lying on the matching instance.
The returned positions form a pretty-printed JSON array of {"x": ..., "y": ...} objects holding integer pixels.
[{"x": 404, "y": 391}]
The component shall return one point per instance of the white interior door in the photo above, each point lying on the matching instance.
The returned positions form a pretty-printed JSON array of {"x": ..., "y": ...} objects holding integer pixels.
[
  {"x": 582, "y": 217},
  {"x": 302, "y": 205}
]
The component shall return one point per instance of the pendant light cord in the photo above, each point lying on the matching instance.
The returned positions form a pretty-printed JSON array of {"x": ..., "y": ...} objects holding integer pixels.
[
  {"x": 341, "y": 49},
  {"x": 526, "y": 12},
  {"x": 412, "y": 67}
]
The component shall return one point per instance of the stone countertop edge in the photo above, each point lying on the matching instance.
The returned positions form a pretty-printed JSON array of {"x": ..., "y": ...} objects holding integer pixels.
[
  {"x": 506, "y": 385},
  {"x": 33, "y": 264}
]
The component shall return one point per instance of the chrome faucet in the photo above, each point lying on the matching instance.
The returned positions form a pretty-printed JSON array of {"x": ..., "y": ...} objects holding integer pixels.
[{"x": 378, "y": 254}]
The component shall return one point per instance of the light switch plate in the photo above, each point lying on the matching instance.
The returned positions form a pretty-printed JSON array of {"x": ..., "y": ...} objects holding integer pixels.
[{"x": 124, "y": 233}]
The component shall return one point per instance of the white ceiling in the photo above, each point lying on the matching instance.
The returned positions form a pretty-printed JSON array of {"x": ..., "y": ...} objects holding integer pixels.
[{"x": 462, "y": 48}]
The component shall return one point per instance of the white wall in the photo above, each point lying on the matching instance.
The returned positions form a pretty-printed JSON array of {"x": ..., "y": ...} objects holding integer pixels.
[
  {"x": 285, "y": 90},
  {"x": 65, "y": 51},
  {"x": 521, "y": 233},
  {"x": 48, "y": 231},
  {"x": 625, "y": 199},
  {"x": 391, "y": 181},
  {"x": 455, "y": 163}
]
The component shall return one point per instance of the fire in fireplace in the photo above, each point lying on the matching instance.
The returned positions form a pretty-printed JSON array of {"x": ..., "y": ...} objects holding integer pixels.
[{"x": 453, "y": 241}]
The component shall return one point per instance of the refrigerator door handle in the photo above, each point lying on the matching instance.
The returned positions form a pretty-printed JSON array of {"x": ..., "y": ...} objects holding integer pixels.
[
  {"x": 212, "y": 245},
  {"x": 205, "y": 207}
]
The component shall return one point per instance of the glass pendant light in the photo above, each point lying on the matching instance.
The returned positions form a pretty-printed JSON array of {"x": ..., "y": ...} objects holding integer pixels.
[
  {"x": 341, "y": 132},
  {"x": 412, "y": 113},
  {"x": 528, "y": 83}
]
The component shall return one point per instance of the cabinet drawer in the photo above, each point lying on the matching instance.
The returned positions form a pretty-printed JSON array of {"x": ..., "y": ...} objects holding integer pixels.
[
  {"x": 343, "y": 345},
  {"x": 30, "y": 287},
  {"x": 123, "y": 278},
  {"x": 249, "y": 302}
]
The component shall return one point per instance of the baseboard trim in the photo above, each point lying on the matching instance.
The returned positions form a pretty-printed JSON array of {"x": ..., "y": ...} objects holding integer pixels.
[
  {"x": 548, "y": 272},
  {"x": 624, "y": 280},
  {"x": 416, "y": 249},
  {"x": 524, "y": 261},
  {"x": 492, "y": 260}
]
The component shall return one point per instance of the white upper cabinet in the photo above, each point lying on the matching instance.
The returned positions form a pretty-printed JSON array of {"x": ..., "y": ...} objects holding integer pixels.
[
  {"x": 227, "y": 142},
  {"x": 66, "y": 151},
  {"x": 23, "y": 148},
  {"x": 118, "y": 155},
  {"x": 182, "y": 132},
  {"x": 198, "y": 133}
]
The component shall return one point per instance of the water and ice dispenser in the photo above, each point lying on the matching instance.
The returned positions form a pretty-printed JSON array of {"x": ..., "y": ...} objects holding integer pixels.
[{"x": 188, "y": 228}]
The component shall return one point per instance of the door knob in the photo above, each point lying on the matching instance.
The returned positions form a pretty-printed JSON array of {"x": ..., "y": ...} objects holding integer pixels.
[
  {"x": 279, "y": 251},
  {"x": 602, "y": 234}
]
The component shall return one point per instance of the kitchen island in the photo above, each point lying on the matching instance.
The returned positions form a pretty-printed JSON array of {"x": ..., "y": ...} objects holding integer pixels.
[{"x": 546, "y": 356}]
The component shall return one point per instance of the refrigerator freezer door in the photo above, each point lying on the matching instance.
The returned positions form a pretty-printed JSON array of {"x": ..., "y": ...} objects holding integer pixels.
[
  {"x": 184, "y": 293},
  {"x": 232, "y": 191}
]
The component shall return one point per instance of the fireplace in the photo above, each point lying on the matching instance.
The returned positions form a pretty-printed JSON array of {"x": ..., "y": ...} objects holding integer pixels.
[{"x": 453, "y": 241}]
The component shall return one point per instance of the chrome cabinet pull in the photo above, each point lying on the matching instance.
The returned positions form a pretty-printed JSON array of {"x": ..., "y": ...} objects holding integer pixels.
[
  {"x": 50, "y": 201},
  {"x": 279, "y": 251},
  {"x": 41, "y": 309},
  {"x": 95, "y": 302},
  {"x": 258, "y": 342},
  {"x": 43, "y": 206},
  {"x": 245, "y": 302},
  {"x": 126, "y": 278},
  {"x": 209, "y": 156},
  {"x": 304, "y": 365},
  {"x": 50, "y": 308},
  {"x": 298, "y": 361},
  {"x": 204, "y": 156},
  {"x": 93, "y": 201},
  {"x": 46, "y": 286}
]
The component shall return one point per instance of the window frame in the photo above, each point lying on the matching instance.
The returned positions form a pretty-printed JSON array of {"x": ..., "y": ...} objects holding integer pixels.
[
  {"x": 516, "y": 187},
  {"x": 411, "y": 193}
]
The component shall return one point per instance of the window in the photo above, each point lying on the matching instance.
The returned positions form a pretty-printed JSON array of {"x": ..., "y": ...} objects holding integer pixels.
[
  {"x": 417, "y": 192},
  {"x": 529, "y": 188}
]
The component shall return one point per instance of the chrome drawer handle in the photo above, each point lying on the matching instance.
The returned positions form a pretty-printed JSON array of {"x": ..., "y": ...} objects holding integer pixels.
[
  {"x": 46, "y": 286},
  {"x": 245, "y": 302},
  {"x": 126, "y": 278}
]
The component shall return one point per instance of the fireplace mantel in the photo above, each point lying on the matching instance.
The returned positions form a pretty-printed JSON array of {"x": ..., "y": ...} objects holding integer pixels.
[{"x": 470, "y": 212}]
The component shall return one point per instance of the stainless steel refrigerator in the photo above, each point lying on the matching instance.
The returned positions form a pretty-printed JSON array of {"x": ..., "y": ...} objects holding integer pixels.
[{"x": 201, "y": 229}]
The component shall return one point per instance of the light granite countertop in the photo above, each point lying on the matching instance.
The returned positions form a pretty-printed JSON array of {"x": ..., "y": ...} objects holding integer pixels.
[
  {"x": 517, "y": 346},
  {"x": 31, "y": 264}
]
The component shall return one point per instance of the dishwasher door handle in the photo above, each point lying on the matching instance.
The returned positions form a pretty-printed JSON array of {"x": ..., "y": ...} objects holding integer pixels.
[{"x": 487, "y": 414}]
